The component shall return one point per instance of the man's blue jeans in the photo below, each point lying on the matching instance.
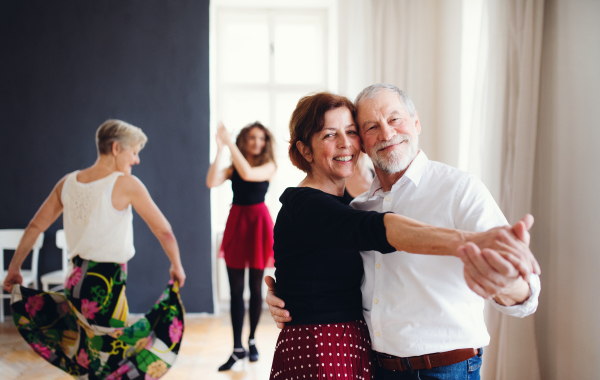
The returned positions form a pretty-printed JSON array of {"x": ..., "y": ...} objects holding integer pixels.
[{"x": 466, "y": 370}]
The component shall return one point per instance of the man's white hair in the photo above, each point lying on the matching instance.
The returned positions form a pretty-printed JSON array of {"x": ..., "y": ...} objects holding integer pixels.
[{"x": 372, "y": 90}]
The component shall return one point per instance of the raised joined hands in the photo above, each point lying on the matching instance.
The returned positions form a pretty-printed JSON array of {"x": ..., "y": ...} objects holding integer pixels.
[
  {"x": 223, "y": 136},
  {"x": 501, "y": 267}
]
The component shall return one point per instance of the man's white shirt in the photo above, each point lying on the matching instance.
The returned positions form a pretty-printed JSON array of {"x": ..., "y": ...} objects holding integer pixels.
[{"x": 420, "y": 304}]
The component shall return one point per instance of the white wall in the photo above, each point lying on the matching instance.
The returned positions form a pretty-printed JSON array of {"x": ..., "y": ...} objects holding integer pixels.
[{"x": 566, "y": 198}]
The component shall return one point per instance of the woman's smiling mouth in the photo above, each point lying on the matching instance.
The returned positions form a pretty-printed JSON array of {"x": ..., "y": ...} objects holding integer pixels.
[{"x": 343, "y": 158}]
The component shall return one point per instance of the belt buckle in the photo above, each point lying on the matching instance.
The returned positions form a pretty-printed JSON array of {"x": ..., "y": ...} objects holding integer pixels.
[
  {"x": 378, "y": 362},
  {"x": 406, "y": 363}
]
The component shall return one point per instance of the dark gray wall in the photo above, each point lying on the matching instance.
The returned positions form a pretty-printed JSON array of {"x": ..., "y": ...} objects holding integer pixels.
[{"x": 65, "y": 67}]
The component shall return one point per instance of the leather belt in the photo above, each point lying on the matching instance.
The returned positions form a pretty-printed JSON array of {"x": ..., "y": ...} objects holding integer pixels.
[{"x": 439, "y": 359}]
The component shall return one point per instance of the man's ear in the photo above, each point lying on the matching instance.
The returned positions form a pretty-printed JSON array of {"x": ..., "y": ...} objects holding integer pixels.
[
  {"x": 305, "y": 151},
  {"x": 417, "y": 123},
  {"x": 116, "y": 148}
]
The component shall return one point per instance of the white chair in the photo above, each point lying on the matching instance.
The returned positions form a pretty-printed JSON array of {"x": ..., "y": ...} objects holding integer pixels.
[
  {"x": 9, "y": 240},
  {"x": 58, "y": 276}
]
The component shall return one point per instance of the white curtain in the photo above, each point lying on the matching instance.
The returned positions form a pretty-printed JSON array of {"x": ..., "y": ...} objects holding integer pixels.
[
  {"x": 413, "y": 45},
  {"x": 472, "y": 68},
  {"x": 514, "y": 339}
]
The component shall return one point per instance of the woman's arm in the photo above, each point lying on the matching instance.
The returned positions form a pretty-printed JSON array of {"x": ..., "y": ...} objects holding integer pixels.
[
  {"x": 144, "y": 205},
  {"x": 248, "y": 173},
  {"x": 412, "y": 236},
  {"x": 44, "y": 217},
  {"x": 216, "y": 177},
  {"x": 330, "y": 223}
]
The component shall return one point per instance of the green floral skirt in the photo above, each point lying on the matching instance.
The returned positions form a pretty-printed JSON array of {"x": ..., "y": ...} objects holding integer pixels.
[{"x": 84, "y": 332}]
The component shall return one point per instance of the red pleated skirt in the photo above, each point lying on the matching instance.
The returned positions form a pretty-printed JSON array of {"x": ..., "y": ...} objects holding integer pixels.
[
  {"x": 248, "y": 237},
  {"x": 332, "y": 351}
]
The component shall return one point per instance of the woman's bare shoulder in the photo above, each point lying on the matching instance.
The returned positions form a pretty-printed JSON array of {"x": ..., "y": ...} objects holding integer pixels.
[
  {"x": 129, "y": 183},
  {"x": 59, "y": 185}
]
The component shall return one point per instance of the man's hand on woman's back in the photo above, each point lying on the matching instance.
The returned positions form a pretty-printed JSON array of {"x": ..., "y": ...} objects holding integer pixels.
[{"x": 279, "y": 314}]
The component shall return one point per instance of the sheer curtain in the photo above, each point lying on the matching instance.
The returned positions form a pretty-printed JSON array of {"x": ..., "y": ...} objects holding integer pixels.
[
  {"x": 472, "y": 68},
  {"x": 413, "y": 45},
  {"x": 517, "y": 356}
]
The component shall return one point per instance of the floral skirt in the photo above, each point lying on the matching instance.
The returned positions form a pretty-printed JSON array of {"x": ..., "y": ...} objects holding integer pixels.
[
  {"x": 84, "y": 332},
  {"x": 324, "y": 352}
]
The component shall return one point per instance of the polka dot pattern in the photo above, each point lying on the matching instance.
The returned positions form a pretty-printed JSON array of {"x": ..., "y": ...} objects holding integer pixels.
[{"x": 327, "y": 351}]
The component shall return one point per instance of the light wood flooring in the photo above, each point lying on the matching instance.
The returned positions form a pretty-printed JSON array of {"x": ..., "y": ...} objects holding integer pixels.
[{"x": 207, "y": 343}]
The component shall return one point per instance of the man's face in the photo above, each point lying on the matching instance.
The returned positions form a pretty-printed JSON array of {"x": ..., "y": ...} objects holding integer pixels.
[{"x": 390, "y": 136}]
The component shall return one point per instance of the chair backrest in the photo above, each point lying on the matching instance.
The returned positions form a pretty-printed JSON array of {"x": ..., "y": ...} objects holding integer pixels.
[
  {"x": 9, "y": 240},
  {"x": 61, "y": 242}
]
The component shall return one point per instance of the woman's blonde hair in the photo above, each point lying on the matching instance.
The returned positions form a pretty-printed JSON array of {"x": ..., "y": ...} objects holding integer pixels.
[{"x": 124, "y": 133}]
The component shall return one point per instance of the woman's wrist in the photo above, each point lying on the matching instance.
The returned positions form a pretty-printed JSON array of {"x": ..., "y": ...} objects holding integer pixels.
[
  {"x": 14, "y": 267},
  {"x": 458, "y": 239}
]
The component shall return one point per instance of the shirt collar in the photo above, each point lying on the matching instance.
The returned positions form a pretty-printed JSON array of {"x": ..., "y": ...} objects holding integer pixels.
[
  {"x": 413, "y": 173},
  {"x": 417, "y": 168}
]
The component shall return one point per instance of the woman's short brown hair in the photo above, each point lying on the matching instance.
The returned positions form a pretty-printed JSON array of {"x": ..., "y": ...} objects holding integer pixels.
[
  {"x": 268, "y": 152},
  {"x": 117, "y": 130},
  {"x": 309, "y": 118}
]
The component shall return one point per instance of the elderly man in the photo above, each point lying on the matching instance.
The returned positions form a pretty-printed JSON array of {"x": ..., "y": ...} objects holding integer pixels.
[{"x": 423, "y": 319}]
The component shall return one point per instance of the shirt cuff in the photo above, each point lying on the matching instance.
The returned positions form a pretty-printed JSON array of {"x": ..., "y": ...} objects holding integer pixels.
[{"x": 529, "y": 306}]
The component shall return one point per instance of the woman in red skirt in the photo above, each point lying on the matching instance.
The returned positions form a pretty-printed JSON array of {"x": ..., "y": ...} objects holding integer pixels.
[{"x": 248, "y": 237}]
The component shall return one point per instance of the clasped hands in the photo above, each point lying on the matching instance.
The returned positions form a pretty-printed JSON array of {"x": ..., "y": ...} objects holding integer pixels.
[
  {"x": 223, "y": 136},
  {"x": 497, "y": 264}
]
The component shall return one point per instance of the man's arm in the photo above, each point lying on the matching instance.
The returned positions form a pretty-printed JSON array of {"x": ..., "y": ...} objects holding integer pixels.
[{"x": 279, "y": 314}]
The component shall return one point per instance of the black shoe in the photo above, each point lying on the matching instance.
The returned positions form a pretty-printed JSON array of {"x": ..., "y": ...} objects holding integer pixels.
[
  {"x": 238, "y": 354},
  {"x": 253, "y": 355}
]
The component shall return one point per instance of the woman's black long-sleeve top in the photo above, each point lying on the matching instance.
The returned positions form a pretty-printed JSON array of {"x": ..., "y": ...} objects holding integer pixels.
[{"x": 317, "y": 239}]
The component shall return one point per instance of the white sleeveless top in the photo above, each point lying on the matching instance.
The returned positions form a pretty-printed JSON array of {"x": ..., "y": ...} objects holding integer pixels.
[{"x": 94, "y": 229}]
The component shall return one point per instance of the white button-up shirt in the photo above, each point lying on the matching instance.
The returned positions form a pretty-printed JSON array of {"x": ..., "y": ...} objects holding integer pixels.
[{"x": 420, "y": 304}]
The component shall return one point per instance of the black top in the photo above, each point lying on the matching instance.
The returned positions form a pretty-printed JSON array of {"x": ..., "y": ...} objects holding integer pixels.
[
  {"x": 246, "y": 192},
  {"x": 317, "y": 239}
]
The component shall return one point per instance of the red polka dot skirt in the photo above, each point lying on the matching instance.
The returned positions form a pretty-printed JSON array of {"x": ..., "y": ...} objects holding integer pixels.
[{"x": 328, "y": 351}]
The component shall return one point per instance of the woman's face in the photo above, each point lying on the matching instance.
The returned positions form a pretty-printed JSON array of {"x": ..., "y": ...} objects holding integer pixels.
[
  {"x": 255, "y": 142},
  {"x": 335, "y": 148},
  {"x": 126, "y": 157}
]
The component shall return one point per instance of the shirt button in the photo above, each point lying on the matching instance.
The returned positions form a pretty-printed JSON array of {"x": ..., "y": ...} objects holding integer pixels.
[
  {"x": 377, "y": 333},
  {"x": 387, "y": 199},
  {"x": 378, "y": 266},
  {"x": 376, "y": 301}
]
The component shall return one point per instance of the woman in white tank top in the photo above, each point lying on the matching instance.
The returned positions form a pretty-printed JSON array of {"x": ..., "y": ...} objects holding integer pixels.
[{"x": 84, "y": 332}]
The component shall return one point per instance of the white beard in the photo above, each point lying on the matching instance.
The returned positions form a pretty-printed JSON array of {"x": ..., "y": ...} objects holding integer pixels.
[{"x": 398, "y": 159}]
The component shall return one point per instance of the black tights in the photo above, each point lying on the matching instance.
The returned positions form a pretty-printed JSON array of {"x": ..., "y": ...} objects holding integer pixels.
[{"x": 236, "y": 284}]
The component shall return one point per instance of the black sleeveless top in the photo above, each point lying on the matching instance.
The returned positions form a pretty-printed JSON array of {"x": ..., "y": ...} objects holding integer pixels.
[{"x": 247, "y": 193}]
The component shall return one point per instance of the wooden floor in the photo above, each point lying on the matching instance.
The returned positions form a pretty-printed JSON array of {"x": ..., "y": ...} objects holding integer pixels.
[{"x": 207, "y": 343}]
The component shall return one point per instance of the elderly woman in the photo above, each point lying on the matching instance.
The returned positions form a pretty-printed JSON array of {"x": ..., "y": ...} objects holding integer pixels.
[
  {"x": 317, "y": 239},
  {"x": 84, "y": 332}
]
